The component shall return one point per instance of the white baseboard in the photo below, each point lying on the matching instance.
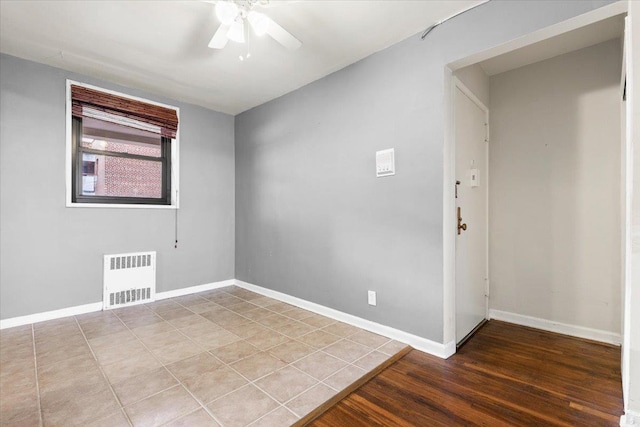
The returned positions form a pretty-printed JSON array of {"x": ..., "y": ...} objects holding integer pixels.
[
  {"x": 630, "y": 419},
  {"x": 419, "y": 343},
  {"x": 193, "y": 289},
  {"x": 561, "y": 328},
  {"x": 50, "y": 315},
  {"x": 449, "y": 349},
  {"x": 97, "y": 306}
]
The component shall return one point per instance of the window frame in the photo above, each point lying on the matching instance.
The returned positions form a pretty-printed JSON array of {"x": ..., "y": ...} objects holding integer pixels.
[{"x": 169, "y": 159}]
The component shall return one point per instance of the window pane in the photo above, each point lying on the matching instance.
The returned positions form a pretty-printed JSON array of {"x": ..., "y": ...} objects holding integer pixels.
[
  {"x": 121, "y": 177},
  {"x": 106, "y": 136}
]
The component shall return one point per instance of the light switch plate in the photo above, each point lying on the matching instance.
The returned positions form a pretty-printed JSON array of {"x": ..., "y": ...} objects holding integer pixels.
[
  {"x": 474, "y": 177},
  {"x": 385, "y": 162}
]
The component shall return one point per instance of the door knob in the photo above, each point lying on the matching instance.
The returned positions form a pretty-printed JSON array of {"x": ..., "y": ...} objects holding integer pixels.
[{"x": 461, "y": 226}]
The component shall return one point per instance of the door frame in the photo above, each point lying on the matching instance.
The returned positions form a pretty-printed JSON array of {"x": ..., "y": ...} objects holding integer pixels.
[
  {"x": 626, "y": 79},
  {"x": 457, "y": 84},
  {"x": 448, "y": 182}
]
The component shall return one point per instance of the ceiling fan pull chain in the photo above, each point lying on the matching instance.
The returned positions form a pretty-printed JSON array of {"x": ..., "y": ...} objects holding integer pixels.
[
  {"x": 248, "y": 41},
  {"x": 248, "y": 38}
]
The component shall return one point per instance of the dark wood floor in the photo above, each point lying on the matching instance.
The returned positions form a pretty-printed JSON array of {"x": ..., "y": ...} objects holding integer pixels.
[{"x": 506, "y": 375}]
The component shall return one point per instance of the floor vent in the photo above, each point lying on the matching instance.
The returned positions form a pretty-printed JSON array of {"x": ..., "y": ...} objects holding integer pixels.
[{"x": 129, "y": 279}]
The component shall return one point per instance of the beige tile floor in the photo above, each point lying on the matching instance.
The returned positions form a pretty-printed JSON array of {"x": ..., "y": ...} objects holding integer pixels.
[{"x": 227, "y": 357}]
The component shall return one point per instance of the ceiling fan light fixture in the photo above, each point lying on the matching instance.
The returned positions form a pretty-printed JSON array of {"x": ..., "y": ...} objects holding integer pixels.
[
  {"x": 226, "y": 12},
  {"x": 259, "y": 22},
  {"x": 236, "y": 31}
]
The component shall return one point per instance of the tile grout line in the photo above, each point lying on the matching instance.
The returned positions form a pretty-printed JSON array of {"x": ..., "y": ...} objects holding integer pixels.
[
  {"x": 228, "y": 365},
  {"x": 202, "y": 405},
  {"x": 181, "y": 416},
  {"x": 316, "y": 350},
  {"x": 269, "y": 327},
  {"x": 257, "y": 321},
  {"x": 35, "y": 366},
  {"x": 329, "y": 376},
  {"x": 301, "y": 320},
  {"x": 180, "y": 383},
  {"x": 250, "y": 382},
  {"x": 178, "y": 303},
  {"x": 146, "y": 348},
  {"x": 254, "y": 422},
  {"x": 253, "y": 382},
  {"x": 257, "y": 307},
  {"x": 104, "y": 375},
  {"x": 292, "y": 319}
]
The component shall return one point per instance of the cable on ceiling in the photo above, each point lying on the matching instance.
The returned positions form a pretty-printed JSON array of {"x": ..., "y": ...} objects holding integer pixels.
[{"x": 431, "y": 28}]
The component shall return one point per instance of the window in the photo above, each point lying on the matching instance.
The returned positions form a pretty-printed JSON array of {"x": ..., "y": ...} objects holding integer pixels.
[
  {"x": 119, "y": 164},
  {"x": 122, "y": 150}
]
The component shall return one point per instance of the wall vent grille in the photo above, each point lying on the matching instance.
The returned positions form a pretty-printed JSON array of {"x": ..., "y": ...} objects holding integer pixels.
[{"x": 129, "y": 279}]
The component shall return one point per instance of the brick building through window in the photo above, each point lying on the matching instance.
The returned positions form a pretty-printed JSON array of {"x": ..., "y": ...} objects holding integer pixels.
[{"x": 119, "y": 176}]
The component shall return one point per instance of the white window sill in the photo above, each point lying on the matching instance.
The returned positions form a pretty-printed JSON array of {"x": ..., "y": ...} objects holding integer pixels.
[{"x": 125, "y": 206}]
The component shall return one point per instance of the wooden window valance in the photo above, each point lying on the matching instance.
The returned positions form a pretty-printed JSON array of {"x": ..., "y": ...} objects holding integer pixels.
[{"x": 164, "y": 118}]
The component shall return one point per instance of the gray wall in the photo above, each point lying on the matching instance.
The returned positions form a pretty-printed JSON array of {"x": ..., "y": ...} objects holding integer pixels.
[
  {"x": 554, "y": 198},
  {"x": 314, "y": 222},
  {"x": 50, "y": 255}
]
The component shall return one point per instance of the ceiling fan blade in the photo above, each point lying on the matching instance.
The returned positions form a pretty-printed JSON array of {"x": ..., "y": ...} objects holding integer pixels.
[
  {"x": 282, "y": 36},
  {"x": 220, "y": 39},
  {"x": 266, "y": 4}
]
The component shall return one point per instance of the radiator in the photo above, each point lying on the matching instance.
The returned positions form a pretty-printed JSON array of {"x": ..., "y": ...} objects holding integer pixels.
[{"x": 129, "y": 279}]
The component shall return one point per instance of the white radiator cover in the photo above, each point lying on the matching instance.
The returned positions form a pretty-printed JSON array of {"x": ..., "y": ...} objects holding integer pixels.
[{"x": 129, "y": 279}]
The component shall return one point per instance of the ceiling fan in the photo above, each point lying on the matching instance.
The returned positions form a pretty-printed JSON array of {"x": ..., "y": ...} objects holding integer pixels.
[{"x": 237, "y": 16}]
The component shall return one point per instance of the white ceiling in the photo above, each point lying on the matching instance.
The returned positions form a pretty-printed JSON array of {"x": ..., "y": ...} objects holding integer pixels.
[
  {"x": 161, "y": 46},
  {"x": 570, "y": 41}
]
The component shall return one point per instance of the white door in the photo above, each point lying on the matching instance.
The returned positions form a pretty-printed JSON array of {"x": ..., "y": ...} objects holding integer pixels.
[{"x": 470, "y": 118}]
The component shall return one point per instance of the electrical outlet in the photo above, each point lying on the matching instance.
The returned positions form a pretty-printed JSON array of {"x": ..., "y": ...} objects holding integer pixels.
[{"x": 372, "y": 297}]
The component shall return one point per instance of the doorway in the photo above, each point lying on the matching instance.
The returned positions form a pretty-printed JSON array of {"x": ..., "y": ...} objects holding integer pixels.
[{"x": 454, "y": 326}]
